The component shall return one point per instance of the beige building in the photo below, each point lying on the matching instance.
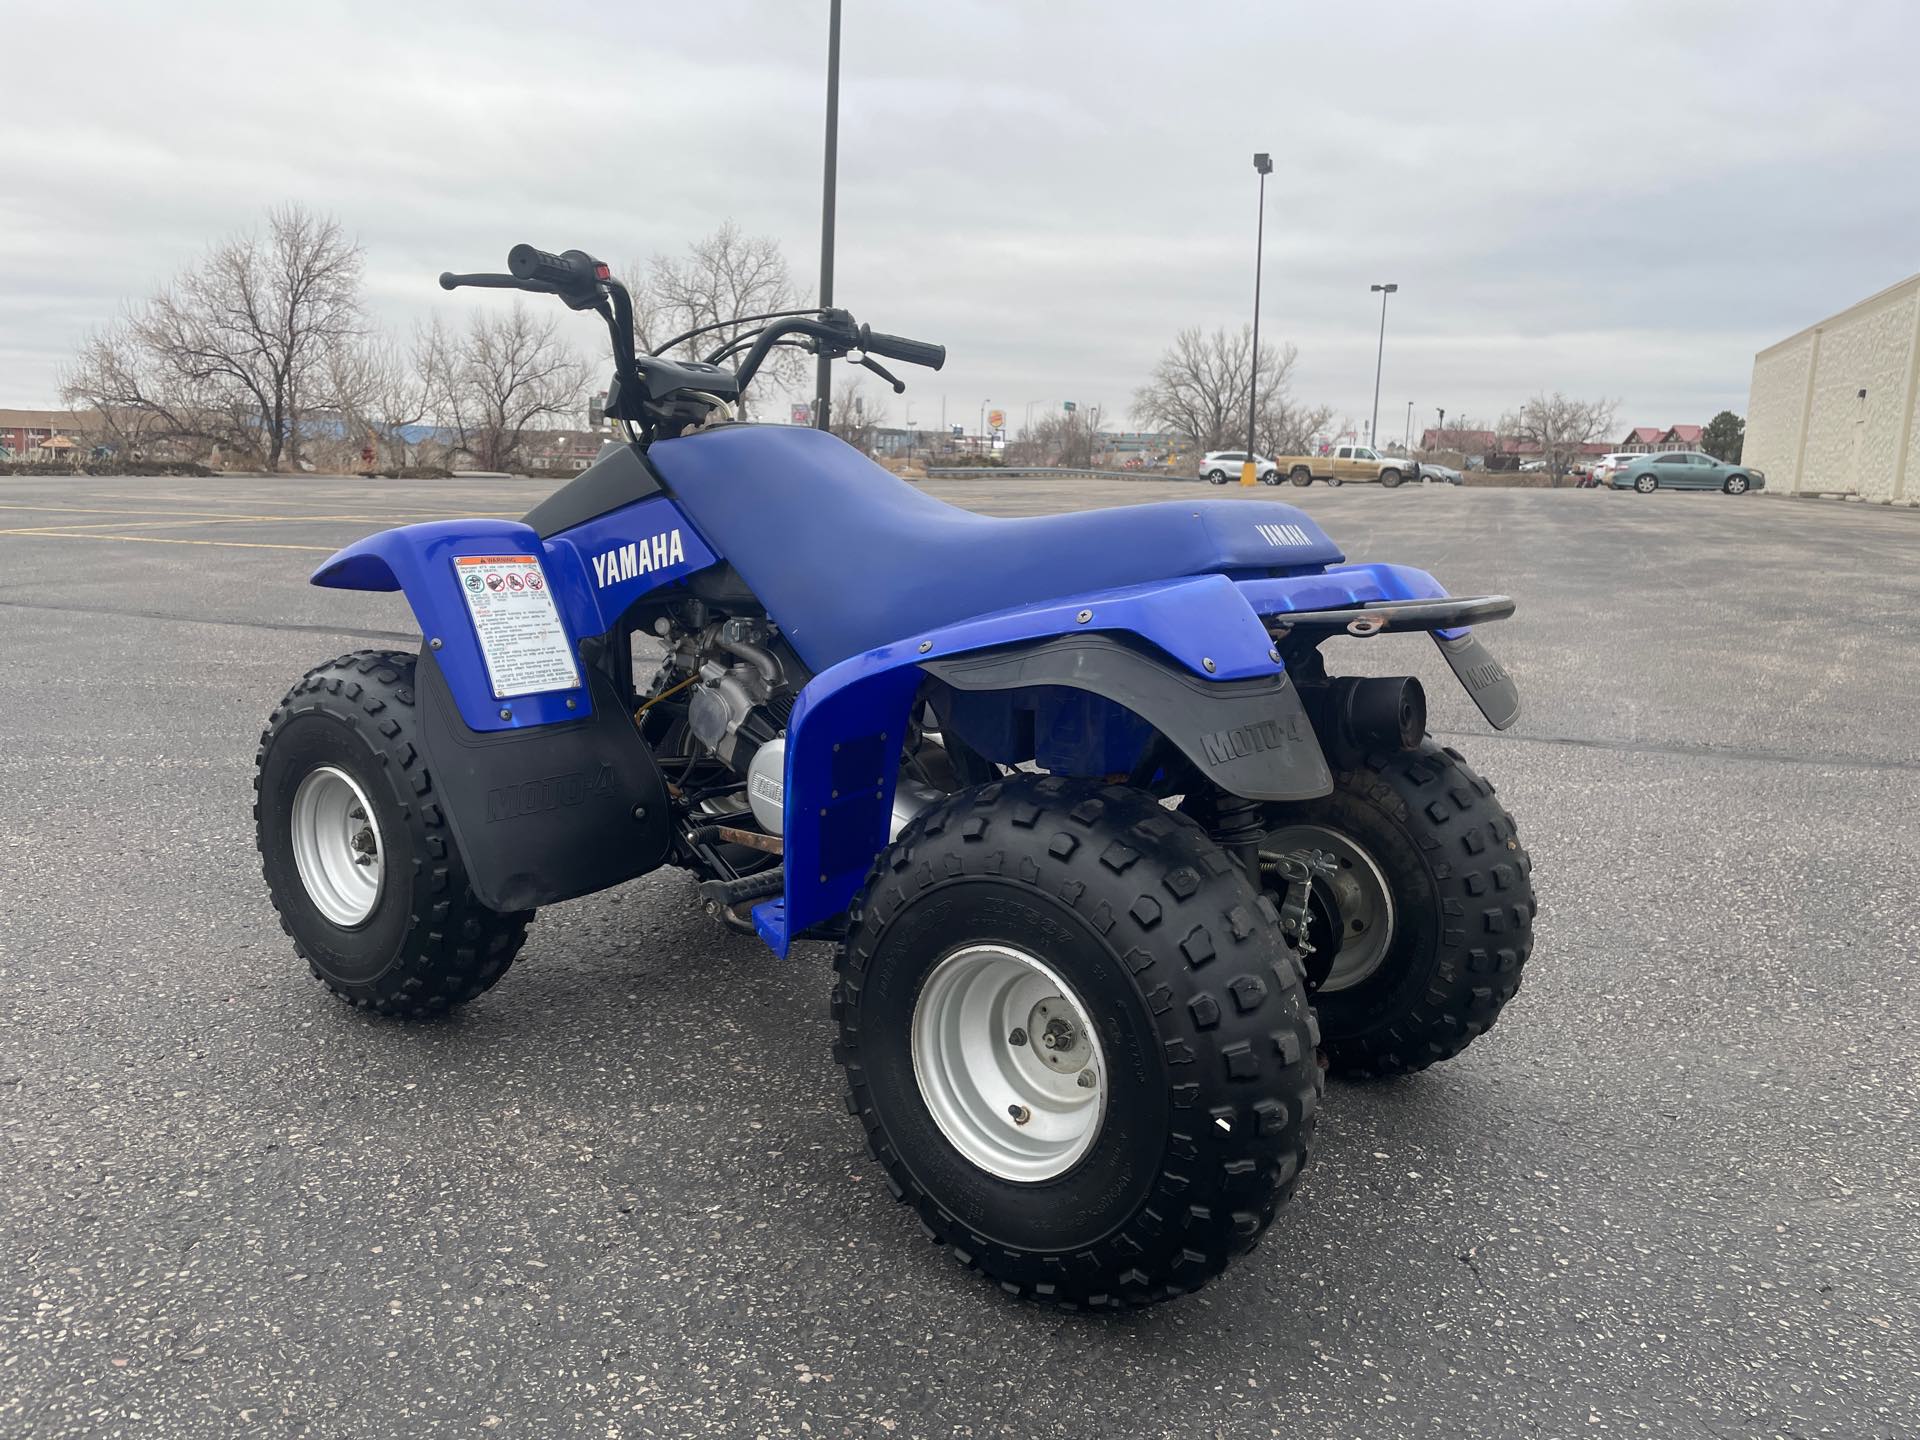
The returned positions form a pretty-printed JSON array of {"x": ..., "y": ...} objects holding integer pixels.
[{"x": 1833, "y": 409}]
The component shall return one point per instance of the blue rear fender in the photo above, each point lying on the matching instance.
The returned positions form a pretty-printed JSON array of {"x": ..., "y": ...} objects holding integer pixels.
[{"x": 847, "y": 732}]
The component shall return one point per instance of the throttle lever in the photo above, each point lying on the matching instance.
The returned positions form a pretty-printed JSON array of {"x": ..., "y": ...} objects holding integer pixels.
[{"x": 899, "y": 386}]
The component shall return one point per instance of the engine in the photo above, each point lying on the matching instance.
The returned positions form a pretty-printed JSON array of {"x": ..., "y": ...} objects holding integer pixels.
[
  {"x": 740, "y": 699},
  {"x": 743, "y": 699}
]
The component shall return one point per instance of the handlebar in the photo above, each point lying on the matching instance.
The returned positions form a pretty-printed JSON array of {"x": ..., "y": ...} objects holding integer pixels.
[
  {"x": 895, "y": 347},
  {"x": 574, "y": 271},
  {"x": 585, "y": 283}
]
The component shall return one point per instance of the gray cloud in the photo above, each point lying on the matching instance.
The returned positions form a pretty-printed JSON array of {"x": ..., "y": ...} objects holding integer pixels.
[{"x": 1620, "y": 199}]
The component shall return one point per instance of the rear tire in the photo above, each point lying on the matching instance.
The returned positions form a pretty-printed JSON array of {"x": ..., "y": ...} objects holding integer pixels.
[
  {"x": 1645, "y": 484},
  {"x": 1190, "y": 1012},
  {"x": 413, "y": 939},
  {"x": 1216, "y": 477},
  {"x": 1434, "y": 902}
]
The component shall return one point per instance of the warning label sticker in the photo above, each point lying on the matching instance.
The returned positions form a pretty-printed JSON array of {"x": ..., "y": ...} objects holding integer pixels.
[{"x": 520, "y": 632}]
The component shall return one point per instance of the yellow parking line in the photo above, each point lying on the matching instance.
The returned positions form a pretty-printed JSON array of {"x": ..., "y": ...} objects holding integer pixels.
[
  {"x": 166, "y": 540},
  {"x": 375, "y": 518}
]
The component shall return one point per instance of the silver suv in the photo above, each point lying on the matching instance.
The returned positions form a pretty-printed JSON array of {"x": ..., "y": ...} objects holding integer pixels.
[{"x": 1217, "y": 467}]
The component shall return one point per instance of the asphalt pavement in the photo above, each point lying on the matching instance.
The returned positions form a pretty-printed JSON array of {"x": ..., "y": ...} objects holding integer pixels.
[{"x": 1674, "y": 1192}]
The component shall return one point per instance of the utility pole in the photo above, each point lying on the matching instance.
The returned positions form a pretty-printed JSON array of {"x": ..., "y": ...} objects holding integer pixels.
[
  {"x": 823, "y": 368},
  {"x": 1379, "y": 355},
  {"x": 1263, "y": 166}
]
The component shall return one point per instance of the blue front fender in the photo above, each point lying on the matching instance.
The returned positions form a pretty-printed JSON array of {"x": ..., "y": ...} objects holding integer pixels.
[{"x": 594, "y": 572}]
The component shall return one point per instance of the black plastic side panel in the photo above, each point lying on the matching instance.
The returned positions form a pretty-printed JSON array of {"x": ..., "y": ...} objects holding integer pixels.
[
  {"x": 1252, "y": 738},
  {"x": 619, "y": 475},
  {"x": 549, "y": 813},
  {"x": 1485, "y": 678}
]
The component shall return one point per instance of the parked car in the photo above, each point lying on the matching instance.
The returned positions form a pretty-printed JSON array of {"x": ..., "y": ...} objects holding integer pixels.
[
  {"x": 1440, "y": 474},
  {"x": 1348, "y": 462},
  {"x": 1532, "y": 467},
  {"x": 1604, "y": 467},
  {"x": 1685, "y": 470},
  {"x": 1219, "y": 466}
]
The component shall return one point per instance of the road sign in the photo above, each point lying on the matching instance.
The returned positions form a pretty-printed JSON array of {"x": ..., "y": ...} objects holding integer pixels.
[
  {"x": 997, "y": 419},
  {"x": 1070, "y": 407}
]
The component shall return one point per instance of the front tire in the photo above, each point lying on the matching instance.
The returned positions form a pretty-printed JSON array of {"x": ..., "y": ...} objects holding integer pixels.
[
  {"x": 1389, "y": 478},
  {"x": 1736, "y": 485},
  {"x": 1301, "y": 476},
  {"x": 1433, "y": 904},
  {"x": 1163, "y": 976},
  {"x": 358, "y": 858}
]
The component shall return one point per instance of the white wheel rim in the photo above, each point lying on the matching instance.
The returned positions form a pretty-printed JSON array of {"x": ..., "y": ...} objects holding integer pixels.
[
  {"x": 336, "y": 846},
  {"x": 1007, "y": 1064}
]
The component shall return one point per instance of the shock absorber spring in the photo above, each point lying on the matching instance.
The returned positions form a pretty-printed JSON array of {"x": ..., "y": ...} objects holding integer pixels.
[{"x": 1239, "y": 825}]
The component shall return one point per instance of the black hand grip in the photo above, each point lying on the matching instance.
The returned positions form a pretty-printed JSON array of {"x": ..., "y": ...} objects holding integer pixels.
[
  {"x": 571, "y": 271},
  {"x": 894, "y": 347}
]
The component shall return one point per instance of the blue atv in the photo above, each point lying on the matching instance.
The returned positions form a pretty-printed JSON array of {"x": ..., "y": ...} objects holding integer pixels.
[{"x": 1115, "y": 868}]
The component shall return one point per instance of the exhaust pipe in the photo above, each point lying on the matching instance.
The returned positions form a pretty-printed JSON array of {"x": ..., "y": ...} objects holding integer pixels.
[{"x": 1389, "y": 712}]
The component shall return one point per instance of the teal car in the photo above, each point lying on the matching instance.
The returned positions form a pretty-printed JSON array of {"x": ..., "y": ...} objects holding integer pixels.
[{"x": 1684, "y": 470}]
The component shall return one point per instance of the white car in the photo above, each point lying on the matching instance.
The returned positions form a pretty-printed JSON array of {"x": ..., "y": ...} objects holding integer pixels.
[
  {"x": 1217, "y": 467},
  {"x": 1604, "y": 467}
]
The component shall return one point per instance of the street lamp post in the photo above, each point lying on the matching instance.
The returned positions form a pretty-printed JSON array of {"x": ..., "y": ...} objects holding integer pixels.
[
  {"x": 823, "y": 369},
  {"x": 1409, "y": 439},
  {"x": 984, "y": 446},
  {"x": 1380, "y": 354},
  {"x": 1263, "y": 166}
]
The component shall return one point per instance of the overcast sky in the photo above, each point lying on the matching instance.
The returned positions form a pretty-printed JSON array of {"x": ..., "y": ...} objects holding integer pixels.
[{"x": 1623, "y": 199}]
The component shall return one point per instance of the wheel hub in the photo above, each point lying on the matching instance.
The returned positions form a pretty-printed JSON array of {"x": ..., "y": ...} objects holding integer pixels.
[
  {"x": 1007, "y": 1063},
  {"x": 336, "y": 846},
  {"x": 1352, "y": 908}
]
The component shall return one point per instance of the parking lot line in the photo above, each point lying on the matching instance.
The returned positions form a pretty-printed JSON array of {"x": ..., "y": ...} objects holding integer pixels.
[{"x": 164, "y": 540}]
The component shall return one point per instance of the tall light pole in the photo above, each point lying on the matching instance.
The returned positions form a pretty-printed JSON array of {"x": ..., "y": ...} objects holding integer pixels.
[
  {"x": 823, "y": 368},
  {"x": 984, "y": 446},
  {"x": 1380, "y": 354},
  {"x": 1409, "y": 439},
  {"x": 1263, "y": 166}
]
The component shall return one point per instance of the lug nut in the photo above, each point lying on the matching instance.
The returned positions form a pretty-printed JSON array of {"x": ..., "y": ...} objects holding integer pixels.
[
  {"x": 1018, "y": 1037},
  {"x": 1087, "y": 1080}
]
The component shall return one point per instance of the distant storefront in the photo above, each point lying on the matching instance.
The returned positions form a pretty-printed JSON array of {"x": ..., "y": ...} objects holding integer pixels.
[{"x": 1833, "y": 409}]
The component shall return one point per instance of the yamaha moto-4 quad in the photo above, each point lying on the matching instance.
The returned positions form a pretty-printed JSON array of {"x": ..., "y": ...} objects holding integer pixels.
[{"x": 1115, "y": 867}]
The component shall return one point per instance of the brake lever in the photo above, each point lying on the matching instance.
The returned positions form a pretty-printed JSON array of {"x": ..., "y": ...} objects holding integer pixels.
[{"x": 899, "y": 386}]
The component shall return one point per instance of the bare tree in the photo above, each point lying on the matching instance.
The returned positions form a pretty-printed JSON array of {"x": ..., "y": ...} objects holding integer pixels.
[
  {"x": 1559, "y": 428},
  {"x": 490, "y": 385},
  {"x": 855, "y": 415},
  {"x": 236, "y": 350},
  {"x": 1201, "y": 386},
  {"x": 380, "y": 394},
  {"x": 722, "y": 277},
  {"x": 1070, "y": 440}
]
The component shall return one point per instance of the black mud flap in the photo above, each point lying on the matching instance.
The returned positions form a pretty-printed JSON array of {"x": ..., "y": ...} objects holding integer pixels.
[
  {"x": 549, "y": 813},
  {"x": 1252, "y": 738},
  {"x": 1484, "y": 677}
]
